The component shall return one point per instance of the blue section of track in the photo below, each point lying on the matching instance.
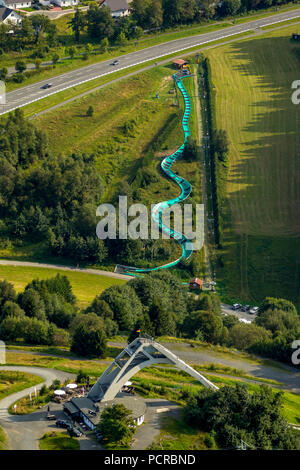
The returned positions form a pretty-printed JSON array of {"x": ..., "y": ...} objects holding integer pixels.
[{"x": 185, "y": 187}]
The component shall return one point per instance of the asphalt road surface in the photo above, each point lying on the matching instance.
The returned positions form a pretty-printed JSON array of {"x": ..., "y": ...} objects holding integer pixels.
[{"x": 31, "y": 93}]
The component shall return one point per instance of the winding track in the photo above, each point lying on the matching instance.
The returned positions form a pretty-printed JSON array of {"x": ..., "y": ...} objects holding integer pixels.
[{"x": 184, "y": 185}]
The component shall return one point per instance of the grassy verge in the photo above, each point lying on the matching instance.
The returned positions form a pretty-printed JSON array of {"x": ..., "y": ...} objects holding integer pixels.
[
  {"x": 261, "y": 241},
  {"x": 58, "y": 441},
  {"x": 26, "y": 405},
  {"x": 12, "y": 382},
  {"x": 3, "y": 440},
  {"x": 85, "y": 286},
  {"x": 175, "y": 434}
]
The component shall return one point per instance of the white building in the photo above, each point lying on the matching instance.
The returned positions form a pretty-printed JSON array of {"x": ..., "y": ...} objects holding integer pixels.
[
  {"x": 18, "y": 4},
  {"x": 7, "y": 15},
  {"x": 118, "y": 8},
  {"x": 65, "y": 3}
]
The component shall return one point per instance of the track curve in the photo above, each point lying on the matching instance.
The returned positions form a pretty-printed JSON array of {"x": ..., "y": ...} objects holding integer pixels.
[{"x": 184, "y": 185}]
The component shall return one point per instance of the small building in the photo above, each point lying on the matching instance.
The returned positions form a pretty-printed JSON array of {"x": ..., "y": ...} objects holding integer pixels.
[
  {"x": 196, "y": 283},
  {"x": 65, "y": 3},
  {"x": 7, "y": 15},
  {"x": 84, "y": 409},
  {"x": 118, "y": 8},
  {"x": 18, "y": 4},
  {"x": 179, "y": 63}
]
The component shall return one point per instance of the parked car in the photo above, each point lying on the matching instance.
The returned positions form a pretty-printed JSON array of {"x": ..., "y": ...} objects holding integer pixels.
[
  {"x": 245, "y": 308},
  {"x": 236, "y": 306},
  {"x": 254, "y": 310},
  {"x": 61, "y": 423},
  {"x": 46, "y": 86},
  {"x": 115, "y": 62},
  {"x": 51, "y": 417}
]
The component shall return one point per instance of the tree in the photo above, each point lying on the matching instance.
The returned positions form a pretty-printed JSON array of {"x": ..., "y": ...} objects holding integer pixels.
[
  {"x": 243, "y": 336},
  {"x": 278, "y": 321},
  {"x": 272, "y": 303},
  {"x": 232, "y": 414},
  {"x": 163, "y": 321},
  {"x": 89, "y": 343},
  {"x": 121, "y": 39},
  {"x": 55, "y": 58},
  {"x": 77, "y": 23},
  {"x": 125, "y": 304},
  {"x": 32, "y": 303},
  {"x": 230, "y": 7},
  {"x": 7, "y": 292},
  {"x": 37, "y": 63},
  {"x": 154, "y": 14},
  {"x": 20, "y": 66},
  {"x": 104, "y": 45},
  {"x": 220, "y": 141},
  {"x": 11, "y": 309},
  {"x": 117, "y": 425},
  {"x": 100, "y": 23},
  {"x": 72, "y": 51},
  {"x": 172, "y": 12},
  {"x": 207, "y": 322},
  {"x": 90, "y": 111},
  {"x": 3, "y": 73},
  {"x": 190, "y": 151}
]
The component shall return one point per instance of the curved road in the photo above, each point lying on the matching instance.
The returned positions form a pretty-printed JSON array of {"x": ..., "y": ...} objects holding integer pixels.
[
  {"x": 24, "y": 431},
  {"x": 31, "y": 93}
]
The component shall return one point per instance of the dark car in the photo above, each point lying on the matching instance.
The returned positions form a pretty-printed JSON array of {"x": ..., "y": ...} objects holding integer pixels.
[
  {"x": 46, "y": 86},
  {"x": 61, "y": 423},
  {"x": 245, "y": 308},
  {"x": 115, "y": 62},
  {"x": 99, "y": 436}
]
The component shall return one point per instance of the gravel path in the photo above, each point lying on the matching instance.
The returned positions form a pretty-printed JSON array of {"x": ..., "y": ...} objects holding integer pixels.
[{"x": 98, "y": 272}]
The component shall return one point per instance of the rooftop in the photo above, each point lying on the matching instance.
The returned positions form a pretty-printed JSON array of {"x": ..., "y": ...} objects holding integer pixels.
[
  {"x": 117, "y": 5},
  {"x": 136, "y": 405},
  {"x": 4, "y": 13}
]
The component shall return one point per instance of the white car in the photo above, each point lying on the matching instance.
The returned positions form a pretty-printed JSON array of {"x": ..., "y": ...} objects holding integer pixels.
[{"x": 254, "y": 310}]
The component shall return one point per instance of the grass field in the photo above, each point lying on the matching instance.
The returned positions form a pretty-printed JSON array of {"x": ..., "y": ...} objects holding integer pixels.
[
  {"x": 176, "y": 434},
  {"x": 253, "y": 78},
  {"x": 85, "y": 286},
  {"x": 58, "y": 441},
  {"x": 12, "y": 382}
]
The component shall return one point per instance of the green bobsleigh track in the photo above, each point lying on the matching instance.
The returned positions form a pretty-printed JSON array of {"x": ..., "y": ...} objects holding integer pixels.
[{"x": 185, "y": 187}]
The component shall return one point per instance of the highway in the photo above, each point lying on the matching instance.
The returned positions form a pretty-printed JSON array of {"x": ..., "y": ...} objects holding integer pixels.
[{"x": 30, "y": 93}]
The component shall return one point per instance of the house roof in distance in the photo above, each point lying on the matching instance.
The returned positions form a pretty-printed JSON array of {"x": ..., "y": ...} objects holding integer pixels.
[
  {"x": 4, "y": 13},
  {"x": 117, "y": 5}
]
